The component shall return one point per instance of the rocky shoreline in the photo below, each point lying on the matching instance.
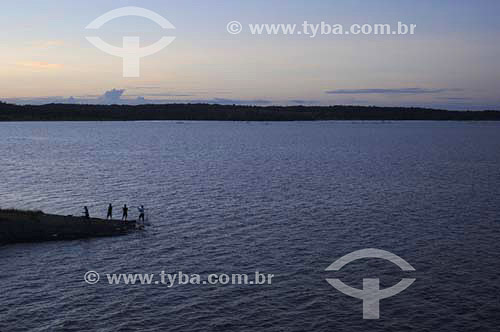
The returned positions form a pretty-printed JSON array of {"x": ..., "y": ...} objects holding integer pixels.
[{"x": 35, "y": 226}]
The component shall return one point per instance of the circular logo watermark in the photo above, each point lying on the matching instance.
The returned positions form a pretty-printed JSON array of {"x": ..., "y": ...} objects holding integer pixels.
[
  {"x": 91, "y": 277},
  {"x": 131, "y": 52},
  {"x": 371, "y": 294},
  {"x": 234, "y": 27}
]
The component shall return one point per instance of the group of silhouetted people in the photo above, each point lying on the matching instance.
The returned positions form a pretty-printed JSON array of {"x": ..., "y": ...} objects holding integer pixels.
[{"x": 110, "y": 212}]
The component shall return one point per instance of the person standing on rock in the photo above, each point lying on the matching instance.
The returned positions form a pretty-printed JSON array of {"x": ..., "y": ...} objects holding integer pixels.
[
  {"x": 86, "y": 212},
  {"x": 110, "y": 212},
  {"x": 125, "y": 212},
  {"x": 141, "y": 213}
]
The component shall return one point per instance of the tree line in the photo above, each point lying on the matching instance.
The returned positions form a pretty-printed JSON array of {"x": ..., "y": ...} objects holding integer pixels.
[{"x": 80, "y": 112}]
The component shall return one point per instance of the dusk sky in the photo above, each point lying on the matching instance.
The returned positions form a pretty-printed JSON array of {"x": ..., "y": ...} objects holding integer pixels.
[{"x": 452, "y": 60}]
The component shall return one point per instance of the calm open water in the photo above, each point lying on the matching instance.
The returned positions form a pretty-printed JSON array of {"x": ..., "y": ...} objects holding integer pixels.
[{"x": 280, "y": 198}]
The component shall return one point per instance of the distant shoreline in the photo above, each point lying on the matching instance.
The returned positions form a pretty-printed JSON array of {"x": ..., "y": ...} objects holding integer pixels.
[{"x": 214, "y": 112}]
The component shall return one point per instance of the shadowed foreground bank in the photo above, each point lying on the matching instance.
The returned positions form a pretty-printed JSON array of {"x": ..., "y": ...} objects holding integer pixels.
[
  {"x": 36, "y": 226},
  {"x": 76, "y": 112}
]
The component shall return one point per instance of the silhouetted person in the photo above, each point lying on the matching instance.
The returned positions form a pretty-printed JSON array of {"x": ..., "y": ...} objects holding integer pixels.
[
  {"x": 86, "y": 212},
  {"x": 141, "y": 213},
  {"x": 110, "y": 212},
  {"x": 125, "y": 212}
]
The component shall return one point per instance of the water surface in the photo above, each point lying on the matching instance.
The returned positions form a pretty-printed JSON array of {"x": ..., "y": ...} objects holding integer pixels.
[{"x": 281, "y": 198}]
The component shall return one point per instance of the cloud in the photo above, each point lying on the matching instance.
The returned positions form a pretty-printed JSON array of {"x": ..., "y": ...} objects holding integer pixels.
[
  {"x": 224, "y": 101},
  {"x": 160, "y": 94},
  {"x": 35, "y": 100},
  {"x": 220, "y": 101},
  {"x": 112, "y": 96},
  {"x": 151, "y": 87},
  {"x": 46, "y": 44},
  {"x": 303, "y": 102},
  {"x": 116, "y": 96},
  {"x": 40, "y": 65},
  {"x": 412, "y": 91},
  {"x": 455, "y": 98}
]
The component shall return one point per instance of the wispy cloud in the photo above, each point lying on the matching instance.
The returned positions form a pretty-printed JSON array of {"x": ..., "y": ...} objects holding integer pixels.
[
  {"x": 303, "y": 102},
  {"x": 40, "y": 65},
  {"x": 224, "y": 101},
  {"x": 118, "y": 96},
  {"x": 152, "y": 87},
  {"x": 411, "y": 91},
  {"x": 455, "y": 98},
  {"x": 46, "y": 44},
  {"x": 161, "y": 94}
]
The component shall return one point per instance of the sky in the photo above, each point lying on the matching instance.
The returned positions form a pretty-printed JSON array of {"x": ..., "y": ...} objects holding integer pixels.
[{"x": 452, "y": 61}]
